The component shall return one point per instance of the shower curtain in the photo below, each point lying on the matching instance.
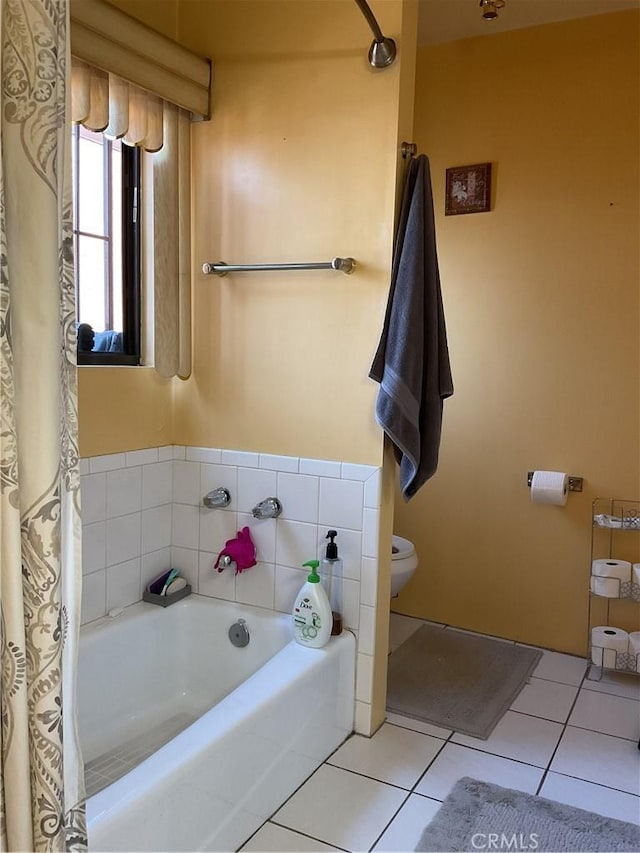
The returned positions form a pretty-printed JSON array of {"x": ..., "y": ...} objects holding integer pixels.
[{"x": 41, "y": 787}]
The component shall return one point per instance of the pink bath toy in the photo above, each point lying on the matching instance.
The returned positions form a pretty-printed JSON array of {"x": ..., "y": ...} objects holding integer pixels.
[{"x": 240, "y": 550}]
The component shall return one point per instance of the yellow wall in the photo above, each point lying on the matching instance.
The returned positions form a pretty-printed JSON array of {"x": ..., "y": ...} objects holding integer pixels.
[
  {"x": 123, "y": 408},
  {"x": 298, "y": 163},
  {"x": 542, "y": 303}
]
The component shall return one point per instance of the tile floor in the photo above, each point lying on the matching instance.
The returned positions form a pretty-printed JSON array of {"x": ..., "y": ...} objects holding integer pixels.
[{"x": 565, "y": 738}]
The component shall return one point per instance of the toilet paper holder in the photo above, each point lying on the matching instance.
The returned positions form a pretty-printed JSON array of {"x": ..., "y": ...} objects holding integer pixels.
[{"x": 574, "y": 483}]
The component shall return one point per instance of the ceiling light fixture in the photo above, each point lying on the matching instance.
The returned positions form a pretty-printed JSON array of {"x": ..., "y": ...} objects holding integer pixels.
[{"x": 490, "y": 8}]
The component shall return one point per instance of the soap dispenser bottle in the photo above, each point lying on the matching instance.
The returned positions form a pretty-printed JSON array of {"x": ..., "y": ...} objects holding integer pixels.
[
  {"x": 312, "y": 611},
  {"x": 331, "y": 573}
]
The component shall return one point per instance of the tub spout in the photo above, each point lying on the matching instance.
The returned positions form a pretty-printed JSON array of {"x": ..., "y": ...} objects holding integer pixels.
[{"x": 268, "y": 508}]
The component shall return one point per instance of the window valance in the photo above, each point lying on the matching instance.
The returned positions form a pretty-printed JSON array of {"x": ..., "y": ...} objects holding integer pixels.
[
  {"x": 105, "y": 103},
  {"x": 110, "y": 40}
]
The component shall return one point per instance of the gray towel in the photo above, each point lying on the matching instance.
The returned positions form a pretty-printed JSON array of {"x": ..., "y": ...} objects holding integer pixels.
[{"x": 412, "y": 360}]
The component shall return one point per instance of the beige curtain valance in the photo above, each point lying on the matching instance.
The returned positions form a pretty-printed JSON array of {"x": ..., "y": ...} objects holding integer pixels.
[
  {"x": 105, "y": 103},
  {"x": 109, "y": 39}
]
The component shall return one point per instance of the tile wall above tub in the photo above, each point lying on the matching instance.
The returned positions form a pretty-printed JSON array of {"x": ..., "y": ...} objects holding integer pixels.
[
  {"x": 127, "y": 509},
  {"x": 142, "y": 512}
]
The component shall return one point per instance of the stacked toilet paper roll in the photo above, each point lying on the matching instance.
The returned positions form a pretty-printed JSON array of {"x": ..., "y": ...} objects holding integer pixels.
[
  {"x": 607, "y": 576},
  {"x": 635, "y": 573},
  {"x": 634, "y": 647},
  {"x": 606, "y": 642}
]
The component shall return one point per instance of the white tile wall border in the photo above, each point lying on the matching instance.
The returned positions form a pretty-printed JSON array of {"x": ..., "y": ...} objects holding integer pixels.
[{"x": 143, "y": 512}]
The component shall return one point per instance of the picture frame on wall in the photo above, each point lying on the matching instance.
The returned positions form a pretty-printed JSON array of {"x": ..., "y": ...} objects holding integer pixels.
[{"x": 468, "y": 189}]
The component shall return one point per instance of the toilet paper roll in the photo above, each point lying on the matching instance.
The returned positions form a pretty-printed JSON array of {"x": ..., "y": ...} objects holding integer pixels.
[
  {"x": 606, "y": 642},
  {"x": 635, "y": 576},
  {"x": 634, "y": 647},
  {"x": 549, "y": 487},
  {"x": 606, "y": 587},
  {"x": 611, "y": 568}
]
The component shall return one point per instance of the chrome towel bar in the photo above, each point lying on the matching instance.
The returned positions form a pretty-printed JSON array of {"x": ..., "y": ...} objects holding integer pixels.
[{"x": 345, "y": 265}]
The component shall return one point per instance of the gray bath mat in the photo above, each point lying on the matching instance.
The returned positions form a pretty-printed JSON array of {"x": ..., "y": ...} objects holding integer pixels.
[
  {"x": 455, "y": 680},
  {"x": 479, "y": 816}
]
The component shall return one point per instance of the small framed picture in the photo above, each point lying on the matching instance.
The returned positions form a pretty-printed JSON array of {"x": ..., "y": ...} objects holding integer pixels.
[{"x": 468, "y": 189}]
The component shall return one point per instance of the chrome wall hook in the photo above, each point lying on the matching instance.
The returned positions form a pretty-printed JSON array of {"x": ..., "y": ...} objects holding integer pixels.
[{"x": 408, "y": 150}]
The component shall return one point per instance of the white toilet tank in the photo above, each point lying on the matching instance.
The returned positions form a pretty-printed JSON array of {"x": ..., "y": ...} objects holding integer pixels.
[{"x": 404, "y": 561}]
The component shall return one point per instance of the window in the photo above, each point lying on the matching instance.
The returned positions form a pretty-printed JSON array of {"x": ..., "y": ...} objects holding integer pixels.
[{"x": 106, "y": 204}]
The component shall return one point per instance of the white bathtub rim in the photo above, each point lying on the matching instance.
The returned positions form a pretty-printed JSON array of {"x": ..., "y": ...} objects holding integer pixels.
[{"x": 145, "y": 610}]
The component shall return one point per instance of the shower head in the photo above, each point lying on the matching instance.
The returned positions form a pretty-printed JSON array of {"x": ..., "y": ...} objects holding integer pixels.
[{"x": 383, "y": 50}]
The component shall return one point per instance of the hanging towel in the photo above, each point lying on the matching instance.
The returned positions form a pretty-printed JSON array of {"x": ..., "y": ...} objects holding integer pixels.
[{"x": 412, "y": 360}]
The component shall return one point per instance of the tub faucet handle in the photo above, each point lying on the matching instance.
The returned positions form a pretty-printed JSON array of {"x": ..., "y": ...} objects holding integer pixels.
[
  {"x": 268, "y": 508},
  {"x": 217, "y": 499}
]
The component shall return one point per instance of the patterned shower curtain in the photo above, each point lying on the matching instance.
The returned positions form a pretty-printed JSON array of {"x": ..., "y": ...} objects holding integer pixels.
[{"x": 41, "y": 787}]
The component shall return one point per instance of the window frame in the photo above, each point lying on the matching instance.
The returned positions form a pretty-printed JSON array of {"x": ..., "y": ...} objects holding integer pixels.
[{"x": 131, "y": 252}]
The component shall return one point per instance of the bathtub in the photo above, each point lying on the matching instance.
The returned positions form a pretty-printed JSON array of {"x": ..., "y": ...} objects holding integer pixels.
[{"x": 223, "y": 734}]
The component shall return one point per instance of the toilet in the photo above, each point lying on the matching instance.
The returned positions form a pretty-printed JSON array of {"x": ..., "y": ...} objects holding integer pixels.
[{"x": 404, "y": 561}]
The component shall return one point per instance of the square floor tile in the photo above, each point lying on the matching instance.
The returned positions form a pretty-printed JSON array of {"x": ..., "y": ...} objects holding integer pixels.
[
  {"x": 417, "y": 725},
  {"x": 518, "y": 736},
  {"x": 612, "y": 715},
  {"x": 599, "y": 758},
  {"x": 547, "y": 699},
  {"x": 341, "y": 808},
  {"x": 555, "y": 666},
  {"x": 394, "y": 755},
  {"x": 616, "y": 683},
  {"x": 276, "y": 839},
  {"x": 455, "y": 761},
  {"x": 594, "y": 798},
  {"x": 407, "y": 827}
]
